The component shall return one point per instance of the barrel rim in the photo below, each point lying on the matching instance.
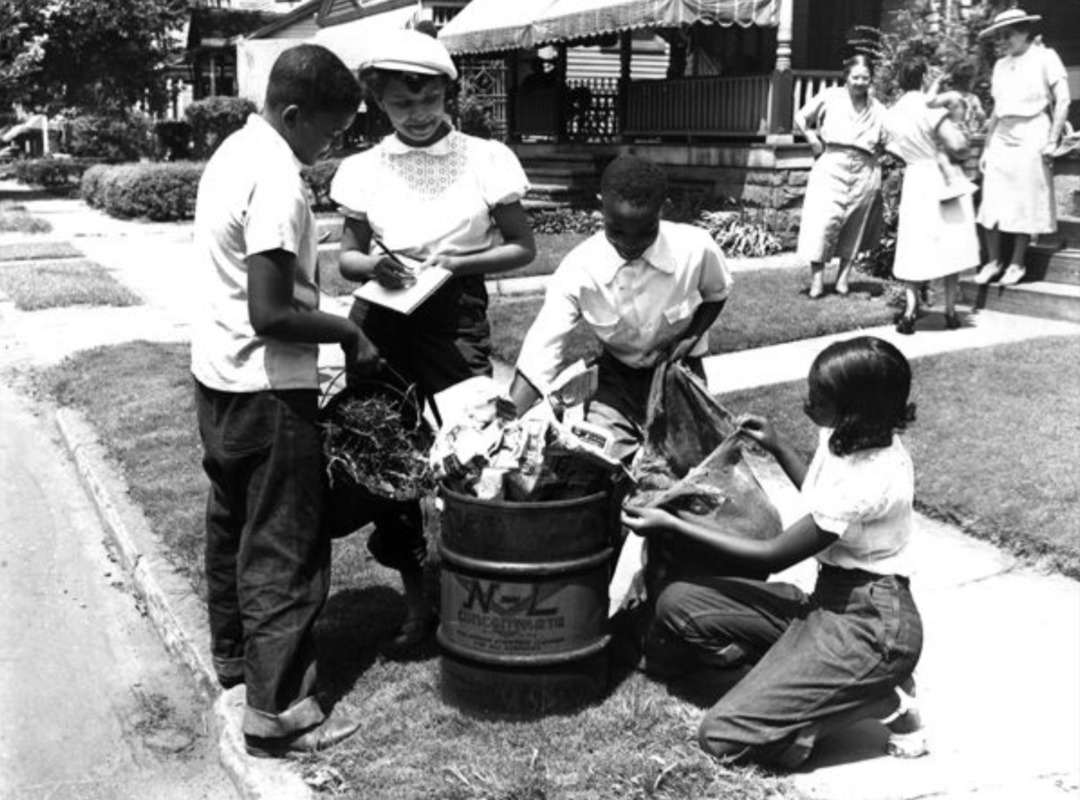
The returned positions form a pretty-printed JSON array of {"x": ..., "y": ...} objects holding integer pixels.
[{"x": 533, "y": 505}]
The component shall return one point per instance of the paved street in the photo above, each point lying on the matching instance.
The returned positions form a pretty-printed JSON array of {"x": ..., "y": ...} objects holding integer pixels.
[{"x": 91, "y": 704}]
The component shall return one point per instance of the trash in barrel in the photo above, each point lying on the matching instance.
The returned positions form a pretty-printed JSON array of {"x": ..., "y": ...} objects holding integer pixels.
[{"x": 524, "y": 601}]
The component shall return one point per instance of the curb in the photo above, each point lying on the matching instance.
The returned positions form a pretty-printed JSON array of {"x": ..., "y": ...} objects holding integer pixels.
[{"x": 176, "y": 613}]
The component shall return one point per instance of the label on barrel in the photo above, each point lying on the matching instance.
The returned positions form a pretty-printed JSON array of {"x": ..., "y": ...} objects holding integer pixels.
[{"x": 523, "y": 617}]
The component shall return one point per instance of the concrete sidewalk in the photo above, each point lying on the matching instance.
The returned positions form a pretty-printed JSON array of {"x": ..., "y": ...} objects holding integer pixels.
[{"x": 999, "y": 677}]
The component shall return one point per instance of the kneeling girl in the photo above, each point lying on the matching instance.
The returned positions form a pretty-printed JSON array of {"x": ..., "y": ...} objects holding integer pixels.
[{"x": 824, "y": 660}]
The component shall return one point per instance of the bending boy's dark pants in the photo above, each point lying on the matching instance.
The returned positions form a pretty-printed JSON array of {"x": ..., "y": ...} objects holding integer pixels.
[
  {"x": 819, "y": 658},
  {"x": 267, "y": 560}
]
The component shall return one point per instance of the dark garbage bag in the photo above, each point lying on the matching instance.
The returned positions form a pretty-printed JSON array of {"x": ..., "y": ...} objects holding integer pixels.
[{"x": 691, "y": 463}]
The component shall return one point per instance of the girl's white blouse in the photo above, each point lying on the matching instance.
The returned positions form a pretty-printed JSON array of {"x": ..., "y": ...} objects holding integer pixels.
[
  {"x": 866, "y": 499},
  {"x": 431, "y": 200}
]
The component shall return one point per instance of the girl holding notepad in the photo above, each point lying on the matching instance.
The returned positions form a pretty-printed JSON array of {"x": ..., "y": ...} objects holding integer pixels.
[{"x": 427, "y": 196}]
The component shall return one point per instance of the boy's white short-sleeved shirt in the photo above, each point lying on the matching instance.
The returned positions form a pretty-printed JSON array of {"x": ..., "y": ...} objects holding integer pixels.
[
  {"x": 431, "y": 200},
  {"x": 635, "y": 308},
  {"x": 251, "y": 200},
  {"x": 866, "y": 499}
]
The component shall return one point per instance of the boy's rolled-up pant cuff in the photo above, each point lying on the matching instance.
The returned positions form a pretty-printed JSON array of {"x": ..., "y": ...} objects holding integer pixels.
[{"x": 296, "y": 718}]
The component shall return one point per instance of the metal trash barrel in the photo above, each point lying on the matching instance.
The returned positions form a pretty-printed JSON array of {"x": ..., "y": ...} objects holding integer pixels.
[{"x": 524, "y": 601}]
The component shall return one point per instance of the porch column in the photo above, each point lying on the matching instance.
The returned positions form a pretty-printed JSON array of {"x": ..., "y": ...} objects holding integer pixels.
[
  {"x": 626, "y": 53},
  {"x": 782, "y": 86}
]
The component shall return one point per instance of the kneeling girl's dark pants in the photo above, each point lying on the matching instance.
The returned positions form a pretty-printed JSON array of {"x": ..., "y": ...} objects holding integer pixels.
[
  {"x": 817, "y": 657},
  {"x": 267, "y": 559}
]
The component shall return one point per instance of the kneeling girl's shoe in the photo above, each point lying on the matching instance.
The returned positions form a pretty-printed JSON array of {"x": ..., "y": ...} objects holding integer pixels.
[{"x": 907, "y": 736}]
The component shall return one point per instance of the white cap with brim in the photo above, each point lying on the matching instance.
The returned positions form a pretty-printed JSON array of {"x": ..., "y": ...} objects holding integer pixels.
[
  {"x": 410, "y": 51},
  {"x": 1006, "y": 19}
]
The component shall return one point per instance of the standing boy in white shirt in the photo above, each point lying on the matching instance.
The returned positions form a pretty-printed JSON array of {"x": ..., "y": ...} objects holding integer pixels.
[
  {"x": 254, "y": 358},
  {"x": 649, "y": 290}
]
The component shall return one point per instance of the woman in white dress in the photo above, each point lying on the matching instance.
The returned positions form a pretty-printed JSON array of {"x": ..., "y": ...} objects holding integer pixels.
[
  {"x": 935, "y": 238},
  {"x": 1031, "y": 102},
  {"x": 843, "y": 127}
]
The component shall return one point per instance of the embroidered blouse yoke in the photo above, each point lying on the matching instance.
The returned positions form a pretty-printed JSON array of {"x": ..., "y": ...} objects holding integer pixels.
[{"x": 431, "y": 200}]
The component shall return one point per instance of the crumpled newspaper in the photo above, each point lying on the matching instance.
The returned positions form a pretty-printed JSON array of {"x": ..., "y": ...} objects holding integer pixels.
[{"x": 537, "y": 457}]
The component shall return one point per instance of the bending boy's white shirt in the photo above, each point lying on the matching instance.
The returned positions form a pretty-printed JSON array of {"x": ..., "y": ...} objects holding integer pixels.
[{"x": 634, "y": 308}]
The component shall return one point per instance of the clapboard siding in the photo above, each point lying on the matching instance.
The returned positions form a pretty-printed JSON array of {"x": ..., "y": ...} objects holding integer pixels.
[{"x": 592, "y": 62}]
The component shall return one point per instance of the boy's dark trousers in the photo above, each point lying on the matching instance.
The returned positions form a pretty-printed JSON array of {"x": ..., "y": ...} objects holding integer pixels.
[{"x": 267, "y": 561}]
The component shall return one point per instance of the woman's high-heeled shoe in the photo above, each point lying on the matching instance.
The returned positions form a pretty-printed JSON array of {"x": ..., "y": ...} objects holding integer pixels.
[
  {"x": 952, "y": 321},
  {"x": 906, "y": 325}
]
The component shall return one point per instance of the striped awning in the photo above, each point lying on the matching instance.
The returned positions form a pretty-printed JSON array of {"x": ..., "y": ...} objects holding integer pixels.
[{"x": 498, "y": 25}]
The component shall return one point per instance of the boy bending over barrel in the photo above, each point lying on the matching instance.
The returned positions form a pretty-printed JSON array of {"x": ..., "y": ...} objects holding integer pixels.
[{"x": 648, "y": 289}]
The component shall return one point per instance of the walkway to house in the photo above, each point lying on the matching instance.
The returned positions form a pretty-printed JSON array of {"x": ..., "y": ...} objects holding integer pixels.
[{"x": 998, "y": 680}]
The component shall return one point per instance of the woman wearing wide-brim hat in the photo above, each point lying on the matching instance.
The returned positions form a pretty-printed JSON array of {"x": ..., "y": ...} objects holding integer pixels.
[{"x": 1031, "y": 101}]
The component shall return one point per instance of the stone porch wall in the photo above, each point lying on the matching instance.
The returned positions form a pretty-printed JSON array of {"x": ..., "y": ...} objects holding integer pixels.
[{"x": 767, "y": 180}]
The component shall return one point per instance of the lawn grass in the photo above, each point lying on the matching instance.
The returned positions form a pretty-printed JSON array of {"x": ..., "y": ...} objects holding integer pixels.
[
  {"x": 29, "y": 250},
  {"x": 767, "y": 306},
  {"x": 15, "y": 219},
  {"x": 996, "y": 444},
  {"x": 146, "y": 420},
  {"x": 637, "y": 742},
  {"x": 45, "y": 283}
]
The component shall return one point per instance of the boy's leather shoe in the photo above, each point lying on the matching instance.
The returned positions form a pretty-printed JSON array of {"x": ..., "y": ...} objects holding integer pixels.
[{"x": 326, "y": 734}]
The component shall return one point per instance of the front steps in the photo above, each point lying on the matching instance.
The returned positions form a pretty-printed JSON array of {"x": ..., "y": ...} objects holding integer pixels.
[{"x": 1051, "y": 288}]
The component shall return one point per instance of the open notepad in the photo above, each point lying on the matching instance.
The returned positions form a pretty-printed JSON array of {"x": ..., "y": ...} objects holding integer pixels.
[{"x": 409, "y": 299}]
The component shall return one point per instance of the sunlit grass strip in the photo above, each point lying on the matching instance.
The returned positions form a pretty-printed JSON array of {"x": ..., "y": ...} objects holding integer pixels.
[{"x": 56, "y": 284}]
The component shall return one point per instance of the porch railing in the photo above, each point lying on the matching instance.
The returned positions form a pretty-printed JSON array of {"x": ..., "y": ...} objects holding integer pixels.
[
  {"x": 810, "y": 82},
  {"x": 592, "y": 109},
  {"x": 588, "y": 110},
  {"x": 698, "y": 106}
]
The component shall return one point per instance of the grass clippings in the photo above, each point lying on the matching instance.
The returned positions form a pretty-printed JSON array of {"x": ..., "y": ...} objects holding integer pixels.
[
  {"x": 996, "y": 445},
  {"x": 56, "y": 284},
  {"x": 367, "y": 442},
  {"x": 15, "y": 219}
]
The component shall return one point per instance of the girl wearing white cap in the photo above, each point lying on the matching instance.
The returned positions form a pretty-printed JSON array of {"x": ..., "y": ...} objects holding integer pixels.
[
  {"x": 1031, "y": 102},
  {"x": 445, "y": 199}
]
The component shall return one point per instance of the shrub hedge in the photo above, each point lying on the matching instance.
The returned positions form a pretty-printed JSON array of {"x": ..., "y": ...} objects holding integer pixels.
[
  {"x": 115, "y": 137},
  {"x": 213, "y": 119},
  {"x": 60, "y": 175},
  {"x": 173, "y": 139},
  {"x": 160, "y": 192},
  {"x": 166, "y": 191}
]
